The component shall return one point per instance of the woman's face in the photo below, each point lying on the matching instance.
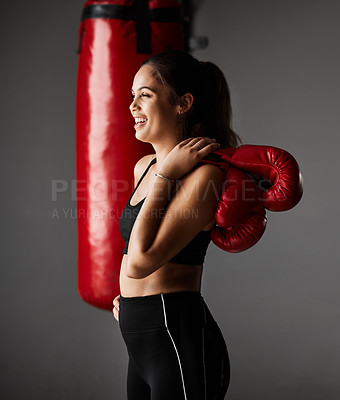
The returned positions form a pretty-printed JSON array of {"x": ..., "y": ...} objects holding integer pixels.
[{"x": 155, "y": 117}]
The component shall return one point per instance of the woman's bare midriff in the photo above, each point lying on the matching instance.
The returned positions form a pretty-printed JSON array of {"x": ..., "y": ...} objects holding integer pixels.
[{"x": 168, "y": 278}]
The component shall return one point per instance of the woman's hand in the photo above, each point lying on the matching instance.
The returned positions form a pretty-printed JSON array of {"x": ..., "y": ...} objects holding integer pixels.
[
  {"x": 185, "y": 155},
  {"x": 115, "y": 309}
]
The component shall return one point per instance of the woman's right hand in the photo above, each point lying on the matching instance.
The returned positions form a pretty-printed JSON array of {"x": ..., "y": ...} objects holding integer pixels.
[
  {"x": 115, "y": 309},
  {"x": 185, "y": 155}
]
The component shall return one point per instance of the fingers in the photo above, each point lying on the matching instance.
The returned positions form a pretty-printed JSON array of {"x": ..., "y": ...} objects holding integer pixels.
[
  {"x": 115, "y": 309},
  {"x": 205, "y": 145},
  {"x": 116, "y": 301},
  {"x": 186, "y": 141},
  {"x": 115, "y": 313},
  {"x": 193, "y": 140},
  {"x": 202, "y": 142}
]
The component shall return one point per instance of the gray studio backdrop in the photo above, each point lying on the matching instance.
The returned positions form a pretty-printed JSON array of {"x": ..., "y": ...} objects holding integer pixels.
[{"x": 277, "y": 304}]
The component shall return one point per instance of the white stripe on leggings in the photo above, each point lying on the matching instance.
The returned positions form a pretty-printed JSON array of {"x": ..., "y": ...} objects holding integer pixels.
[
  {"x": 179, "y": 361},
  {"x": 205, "y": 380}
]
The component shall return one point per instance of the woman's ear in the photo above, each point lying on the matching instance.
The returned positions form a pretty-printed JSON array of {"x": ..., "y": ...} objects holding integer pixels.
[{"x": 186, "y": 102}]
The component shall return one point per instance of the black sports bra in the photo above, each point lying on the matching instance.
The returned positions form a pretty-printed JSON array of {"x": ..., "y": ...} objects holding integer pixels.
[{"x": 193, "y": 253}]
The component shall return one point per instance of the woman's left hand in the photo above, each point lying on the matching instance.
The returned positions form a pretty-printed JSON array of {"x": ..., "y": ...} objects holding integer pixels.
[
  {"x": 185, "y": 155},
  {"x": 115, "y": 309}
]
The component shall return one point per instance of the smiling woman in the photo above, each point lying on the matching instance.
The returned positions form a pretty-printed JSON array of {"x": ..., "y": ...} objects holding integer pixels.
[{"x": 176, "y": 350}]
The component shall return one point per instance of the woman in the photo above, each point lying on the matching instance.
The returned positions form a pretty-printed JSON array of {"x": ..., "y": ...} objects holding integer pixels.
[{"x": 176, "y": 350}]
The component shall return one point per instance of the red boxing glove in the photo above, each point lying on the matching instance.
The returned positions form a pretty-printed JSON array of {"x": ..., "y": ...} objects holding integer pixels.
[
  {"x": 278, "y": 173},
  {"x": 240, "y": 214},
  {"x": 274, "y": 181}
]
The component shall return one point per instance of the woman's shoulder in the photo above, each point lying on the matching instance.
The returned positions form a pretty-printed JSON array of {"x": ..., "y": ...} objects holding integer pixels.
[
  {"x": 141, "y": 165},
  {"x": 201, "y": 179},
  {"x": 207, "y": 171}
]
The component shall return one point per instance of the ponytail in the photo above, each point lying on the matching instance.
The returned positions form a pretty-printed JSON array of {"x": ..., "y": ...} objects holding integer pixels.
[{"x": 219, "y": 115}]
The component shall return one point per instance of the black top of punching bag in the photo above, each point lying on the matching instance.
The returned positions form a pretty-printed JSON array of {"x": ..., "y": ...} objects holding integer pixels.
[{"x": 138, "y": 12}]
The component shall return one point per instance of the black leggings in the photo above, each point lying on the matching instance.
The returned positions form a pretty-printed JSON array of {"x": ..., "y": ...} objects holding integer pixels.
[{"x": 176, "y": 349}]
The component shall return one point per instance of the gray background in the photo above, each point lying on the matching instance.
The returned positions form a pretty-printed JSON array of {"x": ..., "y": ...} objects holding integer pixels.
[{"x": 277, "y": 304}]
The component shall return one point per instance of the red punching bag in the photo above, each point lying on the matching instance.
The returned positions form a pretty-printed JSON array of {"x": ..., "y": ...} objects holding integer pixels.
[{"x": 115, "y": 37}]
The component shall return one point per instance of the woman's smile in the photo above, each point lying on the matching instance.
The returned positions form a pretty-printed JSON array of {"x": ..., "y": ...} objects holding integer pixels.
[
  {"x": 150, "y": 107},
  {"x": 139, "y": 121}
]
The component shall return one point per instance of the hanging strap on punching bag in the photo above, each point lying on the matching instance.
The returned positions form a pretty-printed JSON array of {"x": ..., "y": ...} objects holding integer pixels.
[
  {"x": 142, "y": 18},
  {"x": 138, "y": 12}
]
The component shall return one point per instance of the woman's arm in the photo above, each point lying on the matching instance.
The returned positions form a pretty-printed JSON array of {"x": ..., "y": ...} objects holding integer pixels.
[{"x": 163, "y": 228}]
